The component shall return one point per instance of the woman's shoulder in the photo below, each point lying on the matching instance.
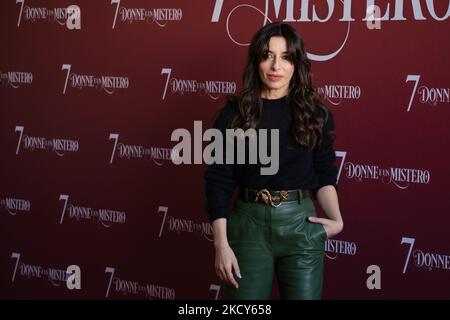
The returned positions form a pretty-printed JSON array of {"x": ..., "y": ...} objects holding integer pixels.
[
  {"x": 231, "y": 105},
  {"x": 226, "y": 114}
]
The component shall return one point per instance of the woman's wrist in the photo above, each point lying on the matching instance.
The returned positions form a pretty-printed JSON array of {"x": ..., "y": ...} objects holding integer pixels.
[
  {"x": 221, "y": 244},
  {"x": 221, "y": 247},
  {"x": 220, "y": 233}
]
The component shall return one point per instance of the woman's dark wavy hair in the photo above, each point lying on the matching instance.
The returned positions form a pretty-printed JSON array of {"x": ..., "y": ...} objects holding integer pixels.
[{"x": 309, "y": 114}]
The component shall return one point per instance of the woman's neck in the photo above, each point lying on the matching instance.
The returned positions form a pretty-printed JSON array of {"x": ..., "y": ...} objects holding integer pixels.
[{"x": 273, "y": 94}]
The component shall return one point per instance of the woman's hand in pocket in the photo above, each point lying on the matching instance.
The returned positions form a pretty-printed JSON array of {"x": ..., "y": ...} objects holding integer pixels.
[{"x": 331, "y": 227}]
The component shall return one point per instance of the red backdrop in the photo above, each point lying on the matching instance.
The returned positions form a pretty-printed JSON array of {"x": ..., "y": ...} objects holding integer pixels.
[{"x": 88, "y": 105}]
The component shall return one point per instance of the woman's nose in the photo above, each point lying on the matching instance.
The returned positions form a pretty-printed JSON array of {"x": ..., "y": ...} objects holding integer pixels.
[{"x": 275, "y": 64}]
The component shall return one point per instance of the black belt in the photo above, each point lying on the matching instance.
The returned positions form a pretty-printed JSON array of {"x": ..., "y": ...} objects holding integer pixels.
[{"x": 272, "y": 197}]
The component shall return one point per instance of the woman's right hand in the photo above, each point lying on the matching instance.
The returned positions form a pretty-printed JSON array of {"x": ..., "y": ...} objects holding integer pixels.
[{"x": 225, "y": 264}]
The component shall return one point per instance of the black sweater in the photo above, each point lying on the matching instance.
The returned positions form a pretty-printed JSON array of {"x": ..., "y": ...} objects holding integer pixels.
[{"x": 298, "y": 168}]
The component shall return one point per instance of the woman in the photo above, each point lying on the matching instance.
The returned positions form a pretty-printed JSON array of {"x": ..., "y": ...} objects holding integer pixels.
[{"x": 274, "y": 229}]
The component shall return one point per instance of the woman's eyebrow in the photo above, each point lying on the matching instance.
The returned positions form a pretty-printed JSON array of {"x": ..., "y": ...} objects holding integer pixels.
[{"x": 285, "y": 52}]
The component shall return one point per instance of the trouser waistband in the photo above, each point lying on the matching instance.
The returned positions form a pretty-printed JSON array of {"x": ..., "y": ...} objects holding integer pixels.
[{"x": 273, "y": 197}]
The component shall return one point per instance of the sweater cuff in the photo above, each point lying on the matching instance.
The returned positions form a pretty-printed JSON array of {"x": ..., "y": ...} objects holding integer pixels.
[
  {"x": 217, "y": 213},
  {"x": 317, "y": 189}
]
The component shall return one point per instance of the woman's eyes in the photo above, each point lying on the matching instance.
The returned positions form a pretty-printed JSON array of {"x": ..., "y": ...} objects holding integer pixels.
[{"x": 271, "y": 56}]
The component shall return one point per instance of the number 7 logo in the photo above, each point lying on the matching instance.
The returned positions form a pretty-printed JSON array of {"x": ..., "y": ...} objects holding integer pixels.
[
  {"x": 16, "y": 256},
  {"x": 22, "y": 2},
  {"x": 217, "y": 10},
  {"x": 111, "y": 271},
  {"x": 115, "y": 137},
  {"x": 162, "y": 210},
  {"x": 340, "y": 154},
  {"x": 167, "y": 71},
  {"x": 20, "y": 129},
  {"x": 117, "y": 10},
  {"x": 64, "y": 197},
  {"x": 409, "y": 241},
  {"x": 216, "y": 288},
  {"x": 66, "y": 67},
  {"x": 416, "y": 79}
]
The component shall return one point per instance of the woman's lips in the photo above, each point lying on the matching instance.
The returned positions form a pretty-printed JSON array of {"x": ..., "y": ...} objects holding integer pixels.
[{"x": 274, "y": 78}]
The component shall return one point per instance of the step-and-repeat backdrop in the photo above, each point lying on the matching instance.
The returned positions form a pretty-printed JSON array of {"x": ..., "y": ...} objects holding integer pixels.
[{"x": 91, "y": 205}]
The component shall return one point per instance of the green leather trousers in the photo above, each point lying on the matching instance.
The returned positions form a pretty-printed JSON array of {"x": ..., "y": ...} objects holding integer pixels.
[{"x": 280, "y": 241}]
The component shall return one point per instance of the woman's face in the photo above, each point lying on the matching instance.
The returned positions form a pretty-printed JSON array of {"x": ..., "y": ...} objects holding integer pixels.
[{"x": 275, "y": 69}]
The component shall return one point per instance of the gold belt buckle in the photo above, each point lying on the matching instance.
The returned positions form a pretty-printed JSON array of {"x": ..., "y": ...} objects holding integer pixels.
[{"x": 265, "y": 196}]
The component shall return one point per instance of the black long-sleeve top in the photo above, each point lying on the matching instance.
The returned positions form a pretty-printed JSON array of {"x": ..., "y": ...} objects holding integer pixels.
[{"x": 298, "y": 168}]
